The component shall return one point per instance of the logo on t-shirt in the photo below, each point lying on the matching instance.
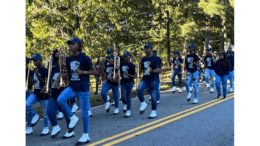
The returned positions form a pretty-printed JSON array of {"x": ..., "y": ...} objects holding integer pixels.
[
  {"x": 53, "y": 80},
  {"x": 109, "y": 72},
  {"x": 36, "y": 81},
  {"x": 73, "y": 66},
  {"x": 209, "y": 61},
  {"x": 190, "y": 63},
  {"x": 176, "y": 64},
  {"x": 146, "y": 67},
  {"x": 125, "y": 68}
]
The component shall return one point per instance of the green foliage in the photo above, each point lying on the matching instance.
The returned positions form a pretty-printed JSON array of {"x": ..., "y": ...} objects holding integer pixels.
[{"x": 127, "y": 23}]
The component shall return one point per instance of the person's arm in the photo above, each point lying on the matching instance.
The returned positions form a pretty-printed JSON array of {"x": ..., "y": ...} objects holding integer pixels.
[
  {"x": 42, "y": 82},
  {"x": 130, "y": 75},
  {"x": 179, "y": 63},
  {"x": 214, "y": 59},
  {"x": 197, "y": 63}
]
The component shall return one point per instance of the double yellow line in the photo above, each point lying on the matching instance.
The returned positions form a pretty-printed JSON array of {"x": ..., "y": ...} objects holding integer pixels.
[{"x": 168, "y": 120}]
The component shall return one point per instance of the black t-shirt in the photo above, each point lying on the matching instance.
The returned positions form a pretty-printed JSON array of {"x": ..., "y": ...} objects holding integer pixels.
[
  {"x": 152, "y": 62},
  {"x": 43, "y": 73},
  {"x": 176, "y": 65},
  {"x": 79, "y": 83},
  {"x": 190, "y": 66},
  {"x": 130, "y": 69},
  {"x": 209, "y": 62},
  {"x": 109, "y": 71}
]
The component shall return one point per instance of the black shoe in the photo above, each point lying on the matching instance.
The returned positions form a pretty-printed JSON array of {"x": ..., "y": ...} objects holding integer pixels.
[
  {"x": 95, "y": 93},
  {"x": 107, "y": 110},
  {"x": 188, "y": 100},
  {"x": 59, "y": 118},
  {"x": 150, "y": 99},
  {"x": 173, "y": 91},
  {"x": 218, "y": 96},
  {"x": 152, "y": 117},
  {"x": 208, "y": 87},
  {"x": 224, "y": 97},
  {"x": 81, "y": 143},
  {"x": 64, "y": 137},
  {"x": 90, "y": 116},
  {"x": 141, "y": 112},
  {"x": 124, "y": 111},
  {"x": 45, "y": 134},
  {"x": 127, "y": 116},
  {"x": 55, "y": 135},
  {"x": 32, "y": 125}
]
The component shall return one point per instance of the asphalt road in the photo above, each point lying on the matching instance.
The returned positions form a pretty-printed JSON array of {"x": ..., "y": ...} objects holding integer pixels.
[{"x": 209, "y": 123}]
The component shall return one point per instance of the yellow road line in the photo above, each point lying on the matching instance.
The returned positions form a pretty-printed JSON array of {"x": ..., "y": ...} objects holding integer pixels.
[
  {"x": 150, "y": 123},
  {"x": 163, "y": 123}
]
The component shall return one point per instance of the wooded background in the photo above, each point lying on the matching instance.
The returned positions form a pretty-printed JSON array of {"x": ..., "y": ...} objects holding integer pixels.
[{"x": 169, "y": 25}]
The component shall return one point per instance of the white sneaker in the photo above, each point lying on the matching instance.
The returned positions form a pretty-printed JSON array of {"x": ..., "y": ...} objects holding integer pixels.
[
  {"x": 35, "y": 119},
  {"x": 211, "y": 90},
  {"x": 29, "y": 130},
  {"x": 153, "y": 114},
  {"x": 231, "y": 90},
  {"x": 191, "y": 88},
  {"x": 113, "y": 103},
  {"x": 107, "y": 107},
  {"x": 116, "y": 112},
  {"x": 142, "y": 107},
  {"x": 174, "y": 88},
  {"x": 188, "y": 97},
  {"x": 200, "y": 80},
  {"x": 125, "y": 108},
  {"x": 74, "y": 108},
  {"x": 128, "y": 114},
  {"x": 204, "y": 82},
  {"x": 195, "y": 101},
  {"x": 45, "y": 131},
  {"x": 68, "y": 135},
  {"x": 73, "y": 121},
  {"x": 60, "y": 116},
  {"x": 158, "y": 102},
  {"x": 84, "y": 139},
  {"x": 208, "y": 85},
  {"x": 108, "y": 97},
  {"x": 180, "y": 90},
  {"x": 150, "y": 97},
  {"x": 89, "y": 113},
  {"x": 55, "y": 131}
]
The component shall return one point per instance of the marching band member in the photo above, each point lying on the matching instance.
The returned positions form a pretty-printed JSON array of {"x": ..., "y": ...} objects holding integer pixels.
[
  {"x": 78, "y": 66},
  {"x": 151, "y": 67},
  {"x": 110, "y": 83},
  {"x": 230, "y": 57},
  {"x": 127, "y": 69},
  {"x": 209, "y": 62},
  {"x": 40, "y": 73},
  {"x": 177, "y": 63},
  {"x": 30, "y": 74},
  {"x": 192, "y": 62},
  {"x": 52, "y": 104},
  {"x": 222, "y": 68}
]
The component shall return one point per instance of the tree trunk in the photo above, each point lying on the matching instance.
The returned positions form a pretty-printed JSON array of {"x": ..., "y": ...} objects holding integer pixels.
[{"x": 168, "y": 41}]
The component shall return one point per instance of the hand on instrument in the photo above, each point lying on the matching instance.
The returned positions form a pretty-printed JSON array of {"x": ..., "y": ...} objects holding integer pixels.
[
  {"x": 117, "y": 75},
  {"x": 43, "y": 89},
  {"x": 57, "y": 83},
  {"x": 125, "y": 72},
  {"x": 65, "y": 77},
  {"x": 36, "y": 71},
  {"x": 150, "y": 70},
  {"x": 79, "y": 72}
]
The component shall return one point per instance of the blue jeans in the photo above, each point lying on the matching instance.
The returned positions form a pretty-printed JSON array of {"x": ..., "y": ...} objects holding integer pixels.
[
  {"x": 200, "y": 72},
  {"x": 231, "y": 78},
  {"x": 51, "y": 112},
  {"x": 128, "y": 88},
  {"x": 176, "y": 72},
  {"x": 157, "y": 91},
  {"x": 107, "y": 87},
  {"x": 70, "y": 102},
  {"x": 222, "y": 79},
  {"x": 153, "y": 87},
  {"x": 84, "y": 104},
  {"x": 189, "y": 80},
  {"x": 211, "y": 73},
  {"x": 31, "y": 100}
]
